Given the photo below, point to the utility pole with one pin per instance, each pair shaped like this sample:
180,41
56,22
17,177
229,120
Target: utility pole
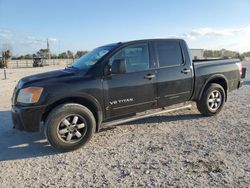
48,48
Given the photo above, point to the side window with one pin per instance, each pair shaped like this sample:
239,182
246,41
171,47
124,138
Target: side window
136,56
169,54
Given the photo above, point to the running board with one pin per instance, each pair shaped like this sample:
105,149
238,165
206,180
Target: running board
117,122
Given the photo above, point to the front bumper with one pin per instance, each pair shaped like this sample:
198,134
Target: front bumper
27,118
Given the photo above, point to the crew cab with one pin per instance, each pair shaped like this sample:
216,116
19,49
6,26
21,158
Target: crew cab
118,81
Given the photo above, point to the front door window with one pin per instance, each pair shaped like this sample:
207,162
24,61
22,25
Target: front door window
136,57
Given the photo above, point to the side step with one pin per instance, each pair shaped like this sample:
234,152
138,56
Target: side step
125,120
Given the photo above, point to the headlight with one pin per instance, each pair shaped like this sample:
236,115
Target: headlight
29,95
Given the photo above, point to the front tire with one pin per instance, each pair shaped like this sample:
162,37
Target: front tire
212,100
69,127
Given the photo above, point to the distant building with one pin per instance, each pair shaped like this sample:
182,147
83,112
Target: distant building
247,58
197,53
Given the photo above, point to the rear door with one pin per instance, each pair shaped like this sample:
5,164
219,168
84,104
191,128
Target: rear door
135,90
174,73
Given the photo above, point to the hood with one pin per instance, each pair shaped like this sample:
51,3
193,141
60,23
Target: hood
43,77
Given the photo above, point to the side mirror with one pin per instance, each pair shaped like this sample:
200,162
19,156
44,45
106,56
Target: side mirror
118,66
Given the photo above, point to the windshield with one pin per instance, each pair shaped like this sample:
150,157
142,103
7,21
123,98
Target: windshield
91,58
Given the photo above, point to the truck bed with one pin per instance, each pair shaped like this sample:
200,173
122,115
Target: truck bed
215,60
207,68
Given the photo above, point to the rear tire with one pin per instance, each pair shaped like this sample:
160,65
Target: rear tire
212,100
69,127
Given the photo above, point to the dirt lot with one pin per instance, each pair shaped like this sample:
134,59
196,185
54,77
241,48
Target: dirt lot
181,149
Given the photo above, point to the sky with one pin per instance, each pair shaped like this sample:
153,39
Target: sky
85,24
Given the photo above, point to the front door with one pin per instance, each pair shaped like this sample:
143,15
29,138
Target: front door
135,90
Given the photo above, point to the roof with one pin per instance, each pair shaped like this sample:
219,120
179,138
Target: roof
155,39
144,40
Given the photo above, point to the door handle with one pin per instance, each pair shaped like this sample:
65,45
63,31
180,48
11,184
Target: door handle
149,76
185,71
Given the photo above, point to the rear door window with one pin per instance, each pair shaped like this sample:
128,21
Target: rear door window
169,53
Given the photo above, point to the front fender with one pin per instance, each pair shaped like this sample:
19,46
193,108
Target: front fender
81,98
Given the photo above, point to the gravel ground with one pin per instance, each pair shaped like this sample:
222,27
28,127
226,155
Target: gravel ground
180,149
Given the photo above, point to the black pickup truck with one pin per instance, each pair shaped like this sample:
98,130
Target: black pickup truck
113,83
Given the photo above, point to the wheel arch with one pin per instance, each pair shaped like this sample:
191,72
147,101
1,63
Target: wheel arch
217,79
89,102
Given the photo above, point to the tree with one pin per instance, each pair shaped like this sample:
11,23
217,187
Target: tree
66,55
240,56
44,53
217,53
80,54
208,53
63,55
54,56
246,54
28,56
6,51
70,54
6,54
223,53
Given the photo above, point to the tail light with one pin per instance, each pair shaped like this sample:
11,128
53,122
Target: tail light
239,65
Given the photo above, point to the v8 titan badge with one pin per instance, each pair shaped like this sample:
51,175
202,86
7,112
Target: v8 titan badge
120,101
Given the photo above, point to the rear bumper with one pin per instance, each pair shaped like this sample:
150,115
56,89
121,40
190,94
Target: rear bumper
243,75
27,118
240,83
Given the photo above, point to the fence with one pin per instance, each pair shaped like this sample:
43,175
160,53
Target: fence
47,62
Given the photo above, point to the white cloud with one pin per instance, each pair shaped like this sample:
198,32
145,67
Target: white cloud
4,33
32,40
23,43
213,38
202,32
52,39
236,39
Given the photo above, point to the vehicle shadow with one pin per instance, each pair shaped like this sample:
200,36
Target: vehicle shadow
15,144
167,118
